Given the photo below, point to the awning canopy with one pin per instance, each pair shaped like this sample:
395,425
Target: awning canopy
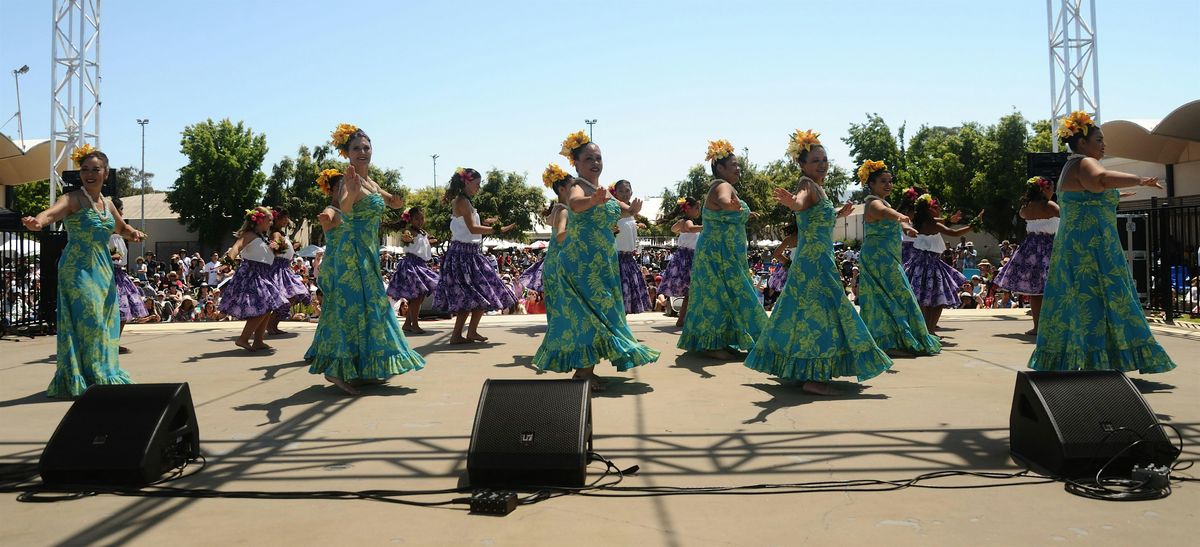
1174,139
26,161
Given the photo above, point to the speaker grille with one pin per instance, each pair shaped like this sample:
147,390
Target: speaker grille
1090,409
518,409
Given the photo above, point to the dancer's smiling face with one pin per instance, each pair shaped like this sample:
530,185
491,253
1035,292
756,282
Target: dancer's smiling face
93,171
881,183
588,162
816,165
359,151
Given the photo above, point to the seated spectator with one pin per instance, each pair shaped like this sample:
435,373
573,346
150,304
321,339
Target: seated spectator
152,312
185,311
1004,300
210,313
970,300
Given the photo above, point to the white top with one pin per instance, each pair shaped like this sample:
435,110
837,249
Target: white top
459,231
288,252
905,237
932,243
627,238
258,251
420,247
1042,225
117,242
687,240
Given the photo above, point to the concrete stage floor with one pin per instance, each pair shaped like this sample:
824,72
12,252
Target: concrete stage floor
267,424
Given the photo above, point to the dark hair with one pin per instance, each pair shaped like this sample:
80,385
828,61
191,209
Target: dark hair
677,213
458,185
279,211
1073,140
345,146
1033,192
625,182
116,201
578,150
922,214
95,154
722,161
802,157
906,205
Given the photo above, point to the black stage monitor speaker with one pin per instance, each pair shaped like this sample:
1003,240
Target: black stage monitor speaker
531,433
1070,424
122,436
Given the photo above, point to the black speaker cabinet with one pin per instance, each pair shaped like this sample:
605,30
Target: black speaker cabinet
531,433
122,436
1070,424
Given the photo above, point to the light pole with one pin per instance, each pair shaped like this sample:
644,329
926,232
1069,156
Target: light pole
143,123
435,157
17,81
590,123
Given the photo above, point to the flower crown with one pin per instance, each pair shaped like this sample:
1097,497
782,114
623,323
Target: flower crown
926,198
718,149
324,178
80,153
1077,122
407,215
1042,183
868,167
553,174
258,214
682,203
802,141
573,141
341,136
910,194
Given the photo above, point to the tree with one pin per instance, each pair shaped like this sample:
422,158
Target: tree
506,196
221,180
31,198
873,140
129,182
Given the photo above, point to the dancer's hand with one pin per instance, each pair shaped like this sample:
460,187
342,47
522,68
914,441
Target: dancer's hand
1151,182
755,214
600,196
787,198
846,209
956,217
490,221
1127,194
909,231
903,219
508,228
32,224
635,206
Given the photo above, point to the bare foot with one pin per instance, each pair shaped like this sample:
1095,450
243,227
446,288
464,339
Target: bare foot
413,330
368,382
1031,332
460,340
820,388
342,385
679,322
123,350
721,354
244,345
261,345
476,337
276,332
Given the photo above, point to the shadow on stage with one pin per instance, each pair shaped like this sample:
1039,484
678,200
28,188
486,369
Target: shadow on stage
790,394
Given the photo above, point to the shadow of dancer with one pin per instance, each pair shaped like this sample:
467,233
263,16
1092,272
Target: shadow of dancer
318,394
786,395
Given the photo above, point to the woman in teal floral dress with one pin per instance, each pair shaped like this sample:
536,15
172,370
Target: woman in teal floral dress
1091,318
582,283
89,319
724,314
358,339
885,298
815,334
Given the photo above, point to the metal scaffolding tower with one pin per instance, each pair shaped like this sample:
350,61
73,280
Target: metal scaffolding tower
74,80
1072,59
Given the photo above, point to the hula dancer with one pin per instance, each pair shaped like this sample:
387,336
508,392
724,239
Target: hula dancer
885,297
358,339
130,299
252,293
678,276
633,283
815,334
469,285
934,283
89,317
584,309
289,282
782,255
1091,319
725,316
413,279
1025,272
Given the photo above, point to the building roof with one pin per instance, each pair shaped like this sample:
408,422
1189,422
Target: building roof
156,207
1174,139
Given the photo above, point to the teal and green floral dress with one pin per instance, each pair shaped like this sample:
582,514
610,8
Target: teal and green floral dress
585,312
1091,318
723,308
358,337
885,298
815,333
89,318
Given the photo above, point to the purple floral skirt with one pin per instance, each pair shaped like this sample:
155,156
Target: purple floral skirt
469,282
633,284
129,296
1025,272
251,292
678,276
934,283
412,279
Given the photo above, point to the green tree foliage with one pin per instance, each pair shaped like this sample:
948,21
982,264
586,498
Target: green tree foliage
221,180
31,198
129,182
506,196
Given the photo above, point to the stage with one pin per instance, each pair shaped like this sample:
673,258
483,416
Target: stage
266,424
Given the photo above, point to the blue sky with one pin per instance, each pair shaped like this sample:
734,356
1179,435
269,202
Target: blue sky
500,84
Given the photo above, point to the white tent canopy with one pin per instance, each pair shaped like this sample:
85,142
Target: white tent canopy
26,161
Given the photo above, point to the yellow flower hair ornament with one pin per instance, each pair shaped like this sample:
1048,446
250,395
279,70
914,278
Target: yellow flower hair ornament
1077,122
324,178
553,174
573,141
802,141
718,149
80,153
868,167
258,214
341,137
1042,183
926,198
